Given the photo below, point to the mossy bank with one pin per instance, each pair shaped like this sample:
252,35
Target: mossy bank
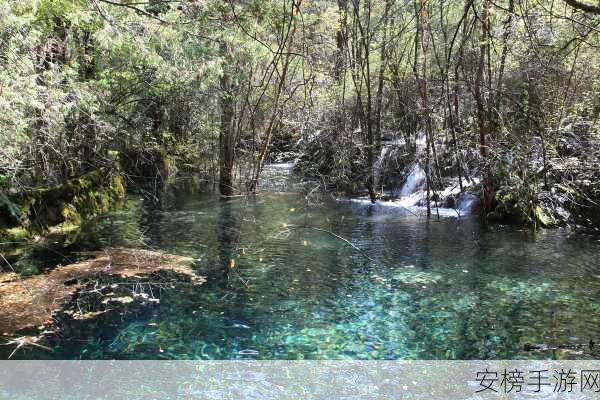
60,208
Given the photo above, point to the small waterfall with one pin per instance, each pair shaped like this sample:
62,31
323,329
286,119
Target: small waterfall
467,203
378,166
414,179
412,194
277,177
421,143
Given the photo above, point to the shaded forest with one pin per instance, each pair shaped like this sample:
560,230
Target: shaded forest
498,99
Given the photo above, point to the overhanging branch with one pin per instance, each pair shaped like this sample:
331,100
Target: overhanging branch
583,6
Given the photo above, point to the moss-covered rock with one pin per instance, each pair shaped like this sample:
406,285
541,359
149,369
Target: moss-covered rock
17,234
78,199
545,218
513,207
67,205
507,208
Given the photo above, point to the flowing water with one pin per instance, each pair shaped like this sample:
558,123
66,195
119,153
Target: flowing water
444,289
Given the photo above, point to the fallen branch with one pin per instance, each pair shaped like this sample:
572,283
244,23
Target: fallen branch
564,346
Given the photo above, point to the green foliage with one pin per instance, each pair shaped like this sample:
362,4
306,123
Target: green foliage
9,211
81,80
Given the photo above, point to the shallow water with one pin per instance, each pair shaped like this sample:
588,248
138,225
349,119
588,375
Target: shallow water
444,289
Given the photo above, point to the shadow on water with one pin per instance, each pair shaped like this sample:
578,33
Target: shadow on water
446,289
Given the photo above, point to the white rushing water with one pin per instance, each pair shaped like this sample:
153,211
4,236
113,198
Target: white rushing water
379,163
414,180
467,203
412,194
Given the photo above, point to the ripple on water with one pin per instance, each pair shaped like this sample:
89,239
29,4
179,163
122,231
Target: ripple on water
443,289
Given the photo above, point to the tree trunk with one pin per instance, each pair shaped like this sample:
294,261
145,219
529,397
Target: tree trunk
227,130
482,120
276,106
422,38
382,67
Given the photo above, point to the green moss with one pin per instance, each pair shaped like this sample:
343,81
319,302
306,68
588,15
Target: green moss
17,234
512,206
114,155
70,214
544,218
118,186
505,198
68,205
507,209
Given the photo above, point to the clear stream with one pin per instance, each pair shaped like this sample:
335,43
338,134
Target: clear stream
444,289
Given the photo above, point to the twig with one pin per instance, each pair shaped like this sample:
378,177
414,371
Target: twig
343,239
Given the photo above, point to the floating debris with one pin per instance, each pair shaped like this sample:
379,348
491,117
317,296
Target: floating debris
25,341
122,300
33,301
88,315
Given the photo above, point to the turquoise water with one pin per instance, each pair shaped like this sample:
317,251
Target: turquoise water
444,289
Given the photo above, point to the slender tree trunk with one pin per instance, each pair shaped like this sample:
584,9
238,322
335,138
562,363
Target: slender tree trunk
227,130
50,56
422,39
505,36
87,72
276,106
380,78
341,39
482,120
366,41
363,75
340,63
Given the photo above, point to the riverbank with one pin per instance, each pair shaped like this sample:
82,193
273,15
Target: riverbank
60,208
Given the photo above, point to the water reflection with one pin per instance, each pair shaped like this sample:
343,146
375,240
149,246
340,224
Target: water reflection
436,290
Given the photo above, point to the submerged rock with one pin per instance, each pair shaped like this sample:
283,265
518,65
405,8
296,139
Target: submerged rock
32,302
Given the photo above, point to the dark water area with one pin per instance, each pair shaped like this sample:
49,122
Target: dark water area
443,289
